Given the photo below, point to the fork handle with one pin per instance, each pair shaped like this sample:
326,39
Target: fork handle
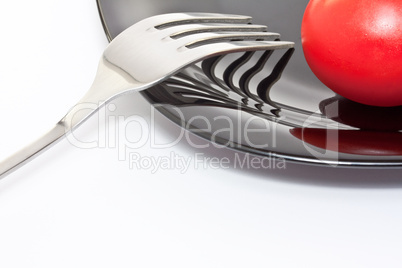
77,115
22,156
109,82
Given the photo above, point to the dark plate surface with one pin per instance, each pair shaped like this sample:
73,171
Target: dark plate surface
296,118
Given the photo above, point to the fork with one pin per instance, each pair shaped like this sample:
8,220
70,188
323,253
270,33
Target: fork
148,53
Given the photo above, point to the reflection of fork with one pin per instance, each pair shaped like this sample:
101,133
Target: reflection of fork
201,86
149,52
237,82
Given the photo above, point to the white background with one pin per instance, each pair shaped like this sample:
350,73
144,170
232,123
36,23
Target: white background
74,207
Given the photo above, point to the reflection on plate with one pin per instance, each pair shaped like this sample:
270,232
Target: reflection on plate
347,141
296,117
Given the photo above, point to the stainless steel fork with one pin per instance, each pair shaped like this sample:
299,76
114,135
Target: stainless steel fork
149,52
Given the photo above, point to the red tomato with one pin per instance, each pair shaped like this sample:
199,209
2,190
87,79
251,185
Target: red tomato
355,48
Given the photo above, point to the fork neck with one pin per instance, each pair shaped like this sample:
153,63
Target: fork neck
109,83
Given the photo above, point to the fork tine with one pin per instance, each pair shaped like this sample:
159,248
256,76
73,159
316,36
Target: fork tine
174,19
220,48
181,31
208,38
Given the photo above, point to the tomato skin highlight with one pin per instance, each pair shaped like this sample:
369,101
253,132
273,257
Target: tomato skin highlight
354,47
